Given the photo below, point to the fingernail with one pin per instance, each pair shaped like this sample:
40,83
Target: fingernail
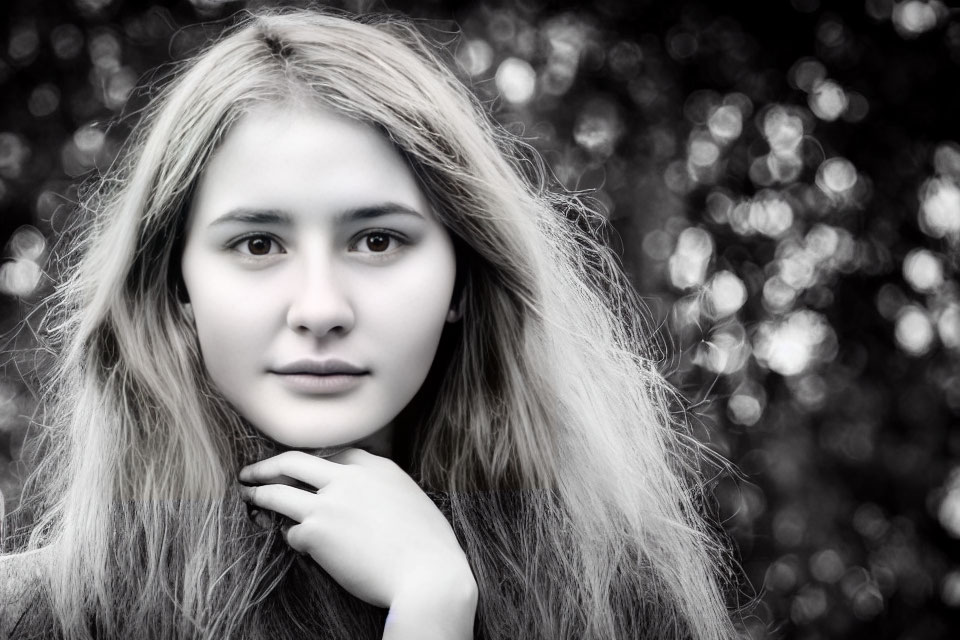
258,517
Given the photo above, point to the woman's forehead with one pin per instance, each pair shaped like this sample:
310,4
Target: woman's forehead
278,157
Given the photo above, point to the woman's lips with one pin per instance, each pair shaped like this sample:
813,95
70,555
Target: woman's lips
311,383
330,366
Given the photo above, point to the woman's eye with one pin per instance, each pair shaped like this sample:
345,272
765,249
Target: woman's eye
378,242
257,246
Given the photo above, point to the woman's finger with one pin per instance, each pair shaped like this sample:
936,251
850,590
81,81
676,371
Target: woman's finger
293,482
296,465
296,538
294,503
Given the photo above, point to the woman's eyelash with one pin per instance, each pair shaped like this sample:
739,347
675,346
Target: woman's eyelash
391,236
237,243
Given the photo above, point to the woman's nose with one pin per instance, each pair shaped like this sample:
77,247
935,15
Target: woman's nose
320,303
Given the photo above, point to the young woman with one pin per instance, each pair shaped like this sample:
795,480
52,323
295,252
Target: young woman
330,364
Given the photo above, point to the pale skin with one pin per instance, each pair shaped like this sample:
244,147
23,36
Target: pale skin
316,230
371,527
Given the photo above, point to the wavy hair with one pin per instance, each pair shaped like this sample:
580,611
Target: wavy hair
543,431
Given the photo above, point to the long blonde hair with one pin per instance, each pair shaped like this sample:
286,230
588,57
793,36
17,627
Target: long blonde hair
544,431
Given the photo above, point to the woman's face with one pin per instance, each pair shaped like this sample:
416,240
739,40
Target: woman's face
319,279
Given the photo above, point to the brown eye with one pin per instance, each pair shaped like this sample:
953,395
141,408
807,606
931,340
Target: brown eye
378,242
259,246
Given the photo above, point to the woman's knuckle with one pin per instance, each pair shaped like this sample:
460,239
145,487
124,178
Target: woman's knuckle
284,458
298,456
295,538
313,526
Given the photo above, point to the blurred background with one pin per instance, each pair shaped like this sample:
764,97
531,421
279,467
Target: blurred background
784,182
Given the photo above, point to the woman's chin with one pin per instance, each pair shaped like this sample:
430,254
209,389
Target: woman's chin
379,442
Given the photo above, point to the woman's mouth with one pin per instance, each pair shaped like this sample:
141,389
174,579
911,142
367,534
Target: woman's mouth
329,366
311,383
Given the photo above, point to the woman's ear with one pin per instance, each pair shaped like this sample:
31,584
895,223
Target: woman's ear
183,300
459,296
456,309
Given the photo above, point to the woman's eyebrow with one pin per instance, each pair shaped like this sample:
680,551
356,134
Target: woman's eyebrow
376,211
280,217
253,216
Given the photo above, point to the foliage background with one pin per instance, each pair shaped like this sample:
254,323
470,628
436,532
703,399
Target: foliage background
784,181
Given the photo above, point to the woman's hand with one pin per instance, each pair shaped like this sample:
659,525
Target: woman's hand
370,526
